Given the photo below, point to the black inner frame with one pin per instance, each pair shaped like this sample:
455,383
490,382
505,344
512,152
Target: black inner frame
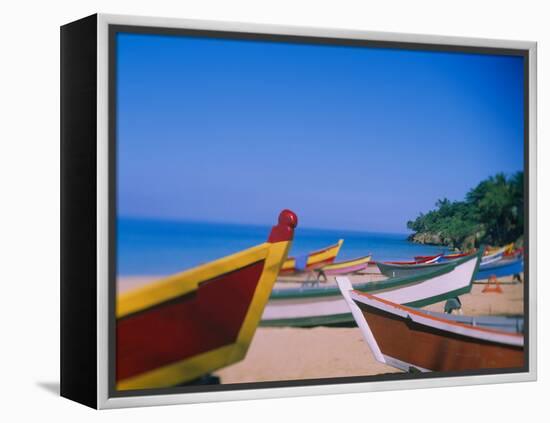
278,38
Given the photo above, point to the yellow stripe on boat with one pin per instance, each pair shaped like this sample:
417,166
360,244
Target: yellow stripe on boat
344,264
507,248
187,281
316,256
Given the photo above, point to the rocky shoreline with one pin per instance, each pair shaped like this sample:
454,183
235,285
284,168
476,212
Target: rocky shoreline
426,238
429,238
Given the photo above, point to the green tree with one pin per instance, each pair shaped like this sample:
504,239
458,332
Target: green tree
492,213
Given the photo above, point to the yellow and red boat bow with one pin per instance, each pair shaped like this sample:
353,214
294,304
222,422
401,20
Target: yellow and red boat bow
184,326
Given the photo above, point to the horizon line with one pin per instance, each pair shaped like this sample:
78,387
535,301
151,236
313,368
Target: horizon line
180,220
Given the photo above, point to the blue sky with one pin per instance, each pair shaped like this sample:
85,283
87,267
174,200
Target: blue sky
347,137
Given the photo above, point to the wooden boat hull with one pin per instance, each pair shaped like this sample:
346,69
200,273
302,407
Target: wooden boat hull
306,307
495,256
315,259
346,267
492,250
512,253
427,260
400,270
411,339
184,326
445,257
500,269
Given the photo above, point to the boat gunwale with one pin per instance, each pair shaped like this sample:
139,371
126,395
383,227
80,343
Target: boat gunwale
406,312
500,263
351,262
292,293
320,251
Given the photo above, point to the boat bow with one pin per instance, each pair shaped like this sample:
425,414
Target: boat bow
189,324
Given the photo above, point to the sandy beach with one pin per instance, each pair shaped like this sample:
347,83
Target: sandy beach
298,353
323,352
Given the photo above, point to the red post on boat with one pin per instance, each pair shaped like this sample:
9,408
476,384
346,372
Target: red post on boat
284,230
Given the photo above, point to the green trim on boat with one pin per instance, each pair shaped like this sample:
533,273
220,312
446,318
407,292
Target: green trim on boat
479,257
310,321
404,270
451,294
290,293
336,319
441,297
347,318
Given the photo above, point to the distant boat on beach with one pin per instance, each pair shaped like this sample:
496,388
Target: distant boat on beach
306,307
494,264
442,256
415,340
500,268
495,255
346,267
426,260
184,326
398,270
490,255
312,260
506,248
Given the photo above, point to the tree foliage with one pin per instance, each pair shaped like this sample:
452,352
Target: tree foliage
492,213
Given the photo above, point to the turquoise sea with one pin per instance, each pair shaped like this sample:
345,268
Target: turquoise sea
160,247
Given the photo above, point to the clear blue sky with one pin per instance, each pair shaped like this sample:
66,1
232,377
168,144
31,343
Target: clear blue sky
347,137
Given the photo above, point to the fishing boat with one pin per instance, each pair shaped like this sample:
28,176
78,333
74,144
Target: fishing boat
345,267
401,270
494,256
514,252
398,270
312,260
182,327
507,248
500,268
433,259
443,256
415,340
321,306
490,256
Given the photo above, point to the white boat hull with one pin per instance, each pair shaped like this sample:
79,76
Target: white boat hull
324,307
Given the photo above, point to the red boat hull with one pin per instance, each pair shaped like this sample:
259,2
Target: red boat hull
190,325
178,328
432,349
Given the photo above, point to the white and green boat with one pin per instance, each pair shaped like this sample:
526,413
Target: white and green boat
397,270
321,306
392,270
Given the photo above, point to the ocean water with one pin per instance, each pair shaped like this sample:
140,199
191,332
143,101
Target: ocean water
158,247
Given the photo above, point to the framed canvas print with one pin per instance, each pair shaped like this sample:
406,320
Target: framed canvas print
254,211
